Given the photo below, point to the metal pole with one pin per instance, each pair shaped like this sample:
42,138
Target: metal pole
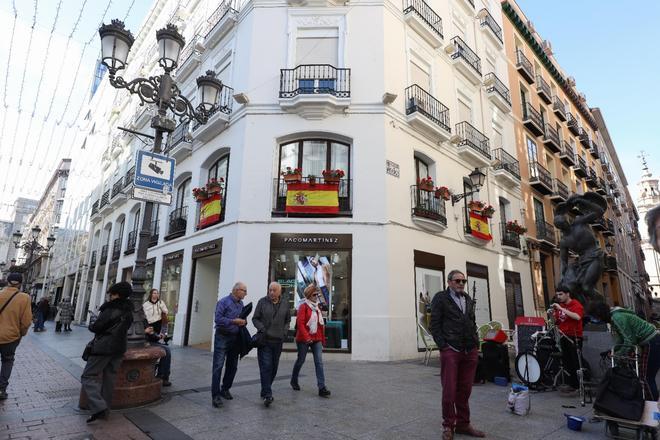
45,286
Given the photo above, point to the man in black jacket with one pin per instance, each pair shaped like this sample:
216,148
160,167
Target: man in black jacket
271,318
455,332
108,347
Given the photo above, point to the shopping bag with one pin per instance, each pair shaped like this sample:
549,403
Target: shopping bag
519,401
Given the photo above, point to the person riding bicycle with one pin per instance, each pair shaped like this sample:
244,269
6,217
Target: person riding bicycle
568,314
629,330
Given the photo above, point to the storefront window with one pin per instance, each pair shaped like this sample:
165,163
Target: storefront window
329,269
170,286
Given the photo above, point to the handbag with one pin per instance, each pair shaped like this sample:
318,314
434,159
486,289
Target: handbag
620,394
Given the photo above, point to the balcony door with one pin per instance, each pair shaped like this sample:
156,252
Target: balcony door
539,214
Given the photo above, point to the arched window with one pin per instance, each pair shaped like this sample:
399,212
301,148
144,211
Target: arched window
315,155
181,194
220,169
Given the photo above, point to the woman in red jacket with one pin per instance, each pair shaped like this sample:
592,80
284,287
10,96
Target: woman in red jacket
310,334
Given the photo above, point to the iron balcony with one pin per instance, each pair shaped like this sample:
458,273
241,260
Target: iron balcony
130,242
509,238
551,139
524,67
572,124
559,108
540,178
532,119
178,221
424,204
345,199
543,89
315,79
580,169
546,232
560,193
567,155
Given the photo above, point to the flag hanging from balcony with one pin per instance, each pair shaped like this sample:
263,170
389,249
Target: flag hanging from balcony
209,212
479,226
312,199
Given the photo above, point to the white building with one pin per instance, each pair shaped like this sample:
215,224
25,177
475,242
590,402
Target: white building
648,198
388,95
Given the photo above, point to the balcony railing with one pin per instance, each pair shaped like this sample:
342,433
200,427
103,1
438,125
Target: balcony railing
489,22
178,221
559,108
217,15
509,238
567,155
524,66
130,242
546,232
584,138
153,237
95,208
594,150
581,169
315,79
572,124
92,261
189,50
473,138
425,13
180,134
505,161
561,190
117,187
610,264
130,176
419,100
543,89
532,119
551,138
462,50
497,86
105,199
425,205
538,174
344,193
116,249
225,104
104,254
592,178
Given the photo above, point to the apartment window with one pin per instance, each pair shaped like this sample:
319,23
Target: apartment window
550,164
420,75
314,156
181,194
532,150
558,128
136,220
497,140
464,111
539,213
524,97
219,169
544,118
505,210
421,169
317,46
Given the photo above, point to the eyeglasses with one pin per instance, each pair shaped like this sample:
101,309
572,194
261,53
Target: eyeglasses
460,281
244,290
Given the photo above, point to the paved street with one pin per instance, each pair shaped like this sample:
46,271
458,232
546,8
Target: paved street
369,401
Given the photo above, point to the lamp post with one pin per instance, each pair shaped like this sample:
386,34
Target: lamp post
474,181
116,42
30,247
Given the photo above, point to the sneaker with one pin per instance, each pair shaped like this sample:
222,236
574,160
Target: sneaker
324,392
268,401
225,394
3,395
166,383
295,386
99,415
217,402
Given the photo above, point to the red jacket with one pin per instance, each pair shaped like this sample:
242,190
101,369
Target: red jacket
302,331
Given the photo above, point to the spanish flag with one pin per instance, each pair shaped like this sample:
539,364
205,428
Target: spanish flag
312,199
479,226
209,212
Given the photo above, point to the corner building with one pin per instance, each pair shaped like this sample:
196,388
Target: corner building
390,93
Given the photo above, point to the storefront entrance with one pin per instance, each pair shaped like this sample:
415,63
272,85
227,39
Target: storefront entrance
429,280
170,286
203,294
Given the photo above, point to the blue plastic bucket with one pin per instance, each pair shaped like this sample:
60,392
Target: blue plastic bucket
574,423
501,381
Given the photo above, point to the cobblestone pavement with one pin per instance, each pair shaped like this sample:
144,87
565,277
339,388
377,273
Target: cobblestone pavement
393,400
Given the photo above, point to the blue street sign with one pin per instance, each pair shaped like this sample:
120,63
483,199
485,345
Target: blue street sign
154,172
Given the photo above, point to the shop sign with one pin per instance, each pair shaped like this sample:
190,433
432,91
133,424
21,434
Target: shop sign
208,248
311,241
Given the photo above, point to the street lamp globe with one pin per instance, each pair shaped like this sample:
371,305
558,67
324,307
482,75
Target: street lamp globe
35,232
116,42
477,178
50,240
209,88
17,238
170,44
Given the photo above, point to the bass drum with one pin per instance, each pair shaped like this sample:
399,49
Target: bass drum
528,368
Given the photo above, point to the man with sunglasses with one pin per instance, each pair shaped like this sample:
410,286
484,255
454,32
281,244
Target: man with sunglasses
455,332
568,314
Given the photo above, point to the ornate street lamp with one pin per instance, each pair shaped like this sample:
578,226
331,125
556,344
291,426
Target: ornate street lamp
472,184
30,247
161,90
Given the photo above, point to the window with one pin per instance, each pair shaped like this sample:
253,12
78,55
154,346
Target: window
539,213
420,76
136,220
220,169
421,169
524,98
464,111
317,46
314,156
497,140
181,194
505,210
544,118
531,151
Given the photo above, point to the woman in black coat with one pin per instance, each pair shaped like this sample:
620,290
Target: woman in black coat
107,349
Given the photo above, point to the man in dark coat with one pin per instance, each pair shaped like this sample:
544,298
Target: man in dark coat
43,309
455,332
108,348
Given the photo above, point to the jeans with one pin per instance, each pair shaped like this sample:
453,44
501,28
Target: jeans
653,365
457,376
39,325
570,359
164,362
7,359
269,359
225,349
317,349
99,389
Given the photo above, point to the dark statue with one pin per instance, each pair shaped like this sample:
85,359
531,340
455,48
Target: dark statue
582,274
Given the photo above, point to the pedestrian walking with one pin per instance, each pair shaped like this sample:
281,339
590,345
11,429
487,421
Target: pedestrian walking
455,332
155,312
164,363
310,335
65,310
271,319
225,344
15,320
43,309
107,349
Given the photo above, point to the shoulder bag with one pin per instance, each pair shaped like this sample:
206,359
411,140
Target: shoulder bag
7,303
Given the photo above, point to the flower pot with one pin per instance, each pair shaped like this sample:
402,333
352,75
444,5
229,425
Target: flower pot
201,197
312,180
425,186
292,178
329,179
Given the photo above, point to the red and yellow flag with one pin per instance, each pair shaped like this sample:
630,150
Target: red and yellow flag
479,226
308,198
209,212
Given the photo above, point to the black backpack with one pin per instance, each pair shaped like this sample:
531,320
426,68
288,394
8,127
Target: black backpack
620,394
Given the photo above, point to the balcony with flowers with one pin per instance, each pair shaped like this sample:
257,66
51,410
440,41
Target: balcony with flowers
328,195
428,205
511,232
211,203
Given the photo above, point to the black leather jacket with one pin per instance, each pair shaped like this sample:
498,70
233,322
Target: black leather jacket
449,325
110,328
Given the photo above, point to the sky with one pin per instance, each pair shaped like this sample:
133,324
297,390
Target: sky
610,48
47,57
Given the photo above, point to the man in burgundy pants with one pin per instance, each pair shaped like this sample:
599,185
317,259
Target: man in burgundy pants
454,330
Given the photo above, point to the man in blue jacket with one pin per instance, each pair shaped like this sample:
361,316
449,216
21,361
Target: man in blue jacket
225,347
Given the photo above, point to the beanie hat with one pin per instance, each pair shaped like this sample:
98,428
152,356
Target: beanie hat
15,277
123,289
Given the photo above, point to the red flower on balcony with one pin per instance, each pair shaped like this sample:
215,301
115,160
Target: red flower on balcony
515,227
425,184
442,192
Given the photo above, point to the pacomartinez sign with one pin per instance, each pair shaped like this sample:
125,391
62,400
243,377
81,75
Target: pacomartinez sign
311,241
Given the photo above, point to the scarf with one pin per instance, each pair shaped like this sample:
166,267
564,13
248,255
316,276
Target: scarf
315,318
